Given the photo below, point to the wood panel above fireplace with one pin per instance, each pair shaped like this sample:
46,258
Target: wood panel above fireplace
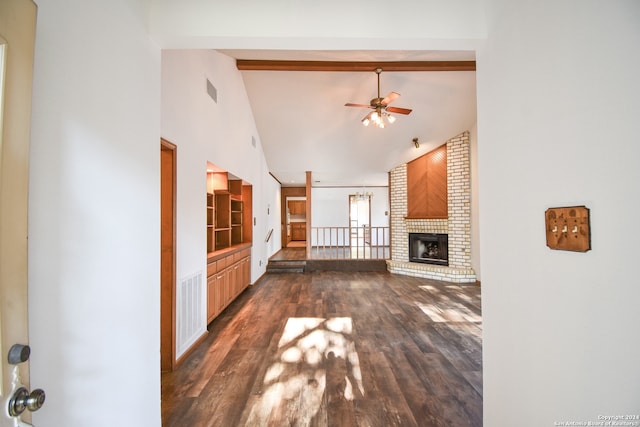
427,185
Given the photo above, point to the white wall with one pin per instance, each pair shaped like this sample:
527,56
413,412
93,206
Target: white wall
330,208
558,109
222,133
271,199
94,216
282,24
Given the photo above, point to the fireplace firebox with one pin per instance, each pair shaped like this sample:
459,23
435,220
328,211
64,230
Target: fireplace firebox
429,248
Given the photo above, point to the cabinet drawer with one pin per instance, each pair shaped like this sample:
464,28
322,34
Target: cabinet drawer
212,268
238,256
230,260
222,264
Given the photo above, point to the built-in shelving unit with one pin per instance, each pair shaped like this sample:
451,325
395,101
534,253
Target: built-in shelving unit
229,236
227,201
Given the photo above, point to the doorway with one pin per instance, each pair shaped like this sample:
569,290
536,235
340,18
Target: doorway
296,221
359,224
167,255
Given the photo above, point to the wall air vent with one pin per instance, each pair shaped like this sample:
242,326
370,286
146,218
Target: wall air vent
212,91
253,141
190,303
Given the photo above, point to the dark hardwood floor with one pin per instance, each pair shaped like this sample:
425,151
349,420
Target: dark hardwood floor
336,349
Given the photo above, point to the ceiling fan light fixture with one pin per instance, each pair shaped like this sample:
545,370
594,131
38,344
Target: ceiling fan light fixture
379,116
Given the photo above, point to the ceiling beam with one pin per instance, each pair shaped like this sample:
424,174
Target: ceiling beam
369,66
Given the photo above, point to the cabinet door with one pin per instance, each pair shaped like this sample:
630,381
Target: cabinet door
302,208
235,279
246,272
298,231
228,285
212,303
221,287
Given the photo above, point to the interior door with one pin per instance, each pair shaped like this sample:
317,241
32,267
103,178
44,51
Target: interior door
17,38
167,255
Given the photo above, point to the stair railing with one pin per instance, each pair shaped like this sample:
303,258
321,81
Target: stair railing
367,242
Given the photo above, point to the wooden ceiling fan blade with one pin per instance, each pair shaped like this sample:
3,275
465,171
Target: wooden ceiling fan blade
398,110
390,98
349,104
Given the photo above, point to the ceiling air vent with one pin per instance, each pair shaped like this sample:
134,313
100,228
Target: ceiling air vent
212,91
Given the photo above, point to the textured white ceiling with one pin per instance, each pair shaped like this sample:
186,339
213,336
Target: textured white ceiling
304,126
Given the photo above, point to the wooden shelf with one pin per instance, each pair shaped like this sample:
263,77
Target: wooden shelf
236,234
228,211
235,187
222,209
223,238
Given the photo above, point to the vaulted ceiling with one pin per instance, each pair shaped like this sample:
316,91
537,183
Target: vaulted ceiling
303,124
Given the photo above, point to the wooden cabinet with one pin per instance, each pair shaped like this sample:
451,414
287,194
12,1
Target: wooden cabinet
427,185
298,231
297,207
228,274
229,236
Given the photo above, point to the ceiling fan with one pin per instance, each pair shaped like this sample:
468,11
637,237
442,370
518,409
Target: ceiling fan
380,107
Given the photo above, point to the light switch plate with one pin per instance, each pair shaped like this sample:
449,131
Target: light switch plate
568,228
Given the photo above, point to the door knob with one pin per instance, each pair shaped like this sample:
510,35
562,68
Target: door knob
23,400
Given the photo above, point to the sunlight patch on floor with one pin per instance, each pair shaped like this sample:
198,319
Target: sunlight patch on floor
316,357
446,309
457,313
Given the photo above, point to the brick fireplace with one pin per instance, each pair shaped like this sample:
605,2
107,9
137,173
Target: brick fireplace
457,226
